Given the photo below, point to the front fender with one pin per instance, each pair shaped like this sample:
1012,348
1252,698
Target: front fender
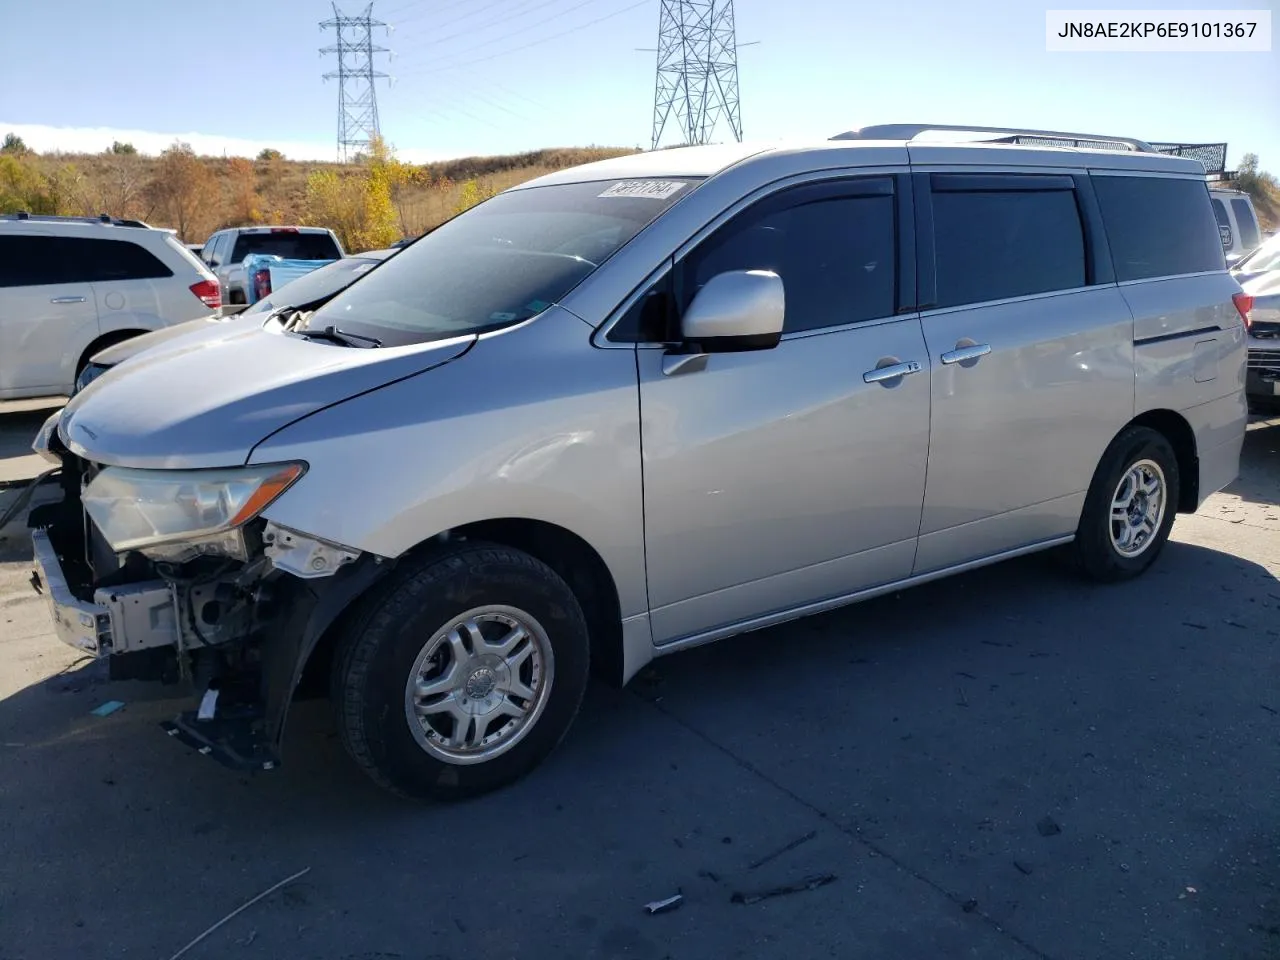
310,608
533,423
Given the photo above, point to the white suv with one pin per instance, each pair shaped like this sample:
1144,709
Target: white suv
71,286
1237,222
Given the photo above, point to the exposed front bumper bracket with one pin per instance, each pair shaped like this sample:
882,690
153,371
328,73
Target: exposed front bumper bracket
85,626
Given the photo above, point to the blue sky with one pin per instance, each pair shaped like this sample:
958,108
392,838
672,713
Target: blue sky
498,76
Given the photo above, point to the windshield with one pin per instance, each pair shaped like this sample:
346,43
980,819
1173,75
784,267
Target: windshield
317,284
1266,257
500,263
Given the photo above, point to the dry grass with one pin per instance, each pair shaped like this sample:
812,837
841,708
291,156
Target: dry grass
122,185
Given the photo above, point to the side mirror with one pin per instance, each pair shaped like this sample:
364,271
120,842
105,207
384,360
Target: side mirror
735,311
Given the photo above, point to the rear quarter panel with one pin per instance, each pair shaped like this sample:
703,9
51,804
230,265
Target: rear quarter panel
1189,357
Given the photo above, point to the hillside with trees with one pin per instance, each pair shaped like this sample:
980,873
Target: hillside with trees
370,203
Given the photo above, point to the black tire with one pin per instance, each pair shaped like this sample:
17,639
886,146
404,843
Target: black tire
382,644
1093,551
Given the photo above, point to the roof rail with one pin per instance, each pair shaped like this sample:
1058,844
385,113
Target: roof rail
909,131
104,218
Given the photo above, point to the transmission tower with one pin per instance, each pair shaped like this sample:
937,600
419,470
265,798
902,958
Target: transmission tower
697,70
357,98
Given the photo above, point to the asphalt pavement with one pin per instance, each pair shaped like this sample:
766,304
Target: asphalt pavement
1007,764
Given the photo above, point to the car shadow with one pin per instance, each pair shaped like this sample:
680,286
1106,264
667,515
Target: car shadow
933,725
1259,462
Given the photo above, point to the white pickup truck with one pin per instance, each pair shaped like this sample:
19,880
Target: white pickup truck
226,250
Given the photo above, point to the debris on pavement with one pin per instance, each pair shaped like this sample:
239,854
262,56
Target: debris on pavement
241,909
108,708
1047,827
1198,626
781,850
1022,867
665,906
809,883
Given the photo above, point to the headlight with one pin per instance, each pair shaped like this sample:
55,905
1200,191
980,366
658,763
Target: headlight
91,372
144,509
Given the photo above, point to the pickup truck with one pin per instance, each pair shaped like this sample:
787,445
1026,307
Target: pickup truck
226,251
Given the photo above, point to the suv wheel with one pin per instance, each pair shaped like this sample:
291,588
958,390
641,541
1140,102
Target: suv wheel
463,673
1130,507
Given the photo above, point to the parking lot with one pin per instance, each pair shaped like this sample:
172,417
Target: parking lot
1008,763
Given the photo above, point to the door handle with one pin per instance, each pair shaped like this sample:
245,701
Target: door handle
891,372
67,300
961,354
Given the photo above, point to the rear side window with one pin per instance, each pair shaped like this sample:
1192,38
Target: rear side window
991,244
1250,236
1224,221
37,261
1159,226
836,258
290,246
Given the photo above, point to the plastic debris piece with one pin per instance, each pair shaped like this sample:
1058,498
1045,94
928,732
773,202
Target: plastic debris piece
108,708
665,906
809,883
208,705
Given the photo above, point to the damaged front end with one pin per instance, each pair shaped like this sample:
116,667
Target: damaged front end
175,576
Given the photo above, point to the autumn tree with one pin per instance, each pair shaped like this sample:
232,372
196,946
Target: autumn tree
123,149
13,144
22,187
356,205
182,190
268,153
119,187
243,182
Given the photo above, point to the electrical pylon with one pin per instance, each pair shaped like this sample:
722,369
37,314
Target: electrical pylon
697,79
357,96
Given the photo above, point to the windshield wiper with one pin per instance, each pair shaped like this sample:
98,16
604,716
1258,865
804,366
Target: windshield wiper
334,335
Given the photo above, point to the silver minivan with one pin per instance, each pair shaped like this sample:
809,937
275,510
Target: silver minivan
637,406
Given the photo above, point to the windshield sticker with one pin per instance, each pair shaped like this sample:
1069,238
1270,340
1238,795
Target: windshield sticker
502,316
649,189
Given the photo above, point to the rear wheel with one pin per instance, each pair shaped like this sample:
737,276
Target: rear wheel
462,674
1130,507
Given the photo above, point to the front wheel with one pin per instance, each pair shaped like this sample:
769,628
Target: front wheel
1130,507
463,674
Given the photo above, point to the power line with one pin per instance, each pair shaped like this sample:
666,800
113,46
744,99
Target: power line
697,73
514,33
532,43
357,96
506,15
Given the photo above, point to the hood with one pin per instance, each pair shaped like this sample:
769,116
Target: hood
1261,284
206,398
135,345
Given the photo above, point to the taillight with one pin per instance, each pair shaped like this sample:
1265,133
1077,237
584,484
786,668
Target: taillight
209,293
1244,303
261,283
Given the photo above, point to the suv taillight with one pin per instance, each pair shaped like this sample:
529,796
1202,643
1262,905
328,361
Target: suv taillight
209,293
261,283
1244,303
